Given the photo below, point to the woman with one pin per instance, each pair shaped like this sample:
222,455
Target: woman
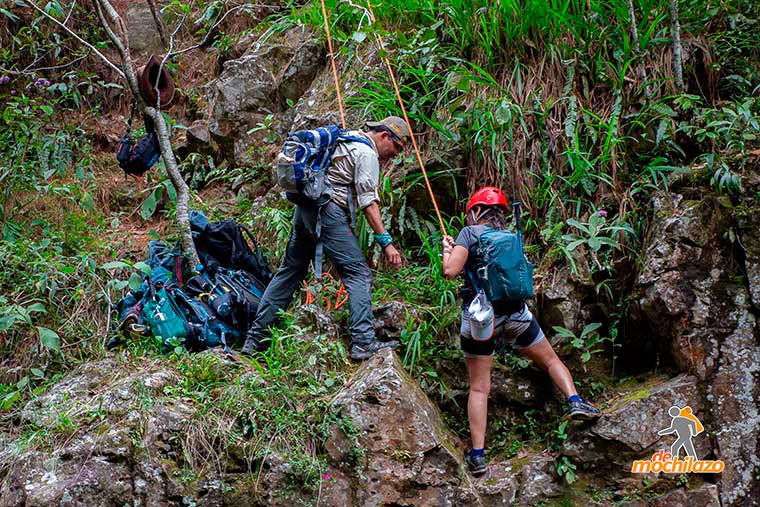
488,208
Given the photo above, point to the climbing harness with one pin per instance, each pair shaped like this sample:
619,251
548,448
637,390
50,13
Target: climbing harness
341,294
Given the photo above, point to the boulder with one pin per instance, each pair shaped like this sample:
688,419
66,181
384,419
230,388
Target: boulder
407,455
628,430
253,91
692,294
748,226
734,398
141,29
391,318
524,481
561,293
318,105
685,290
704,496
198,137
279,486
111,443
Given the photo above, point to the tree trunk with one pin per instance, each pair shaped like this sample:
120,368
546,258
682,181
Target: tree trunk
104,8
675,29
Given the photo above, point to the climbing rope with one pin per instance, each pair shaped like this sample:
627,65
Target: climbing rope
334,69
406,119
398,96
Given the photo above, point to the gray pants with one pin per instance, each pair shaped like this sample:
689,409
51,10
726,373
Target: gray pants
342,248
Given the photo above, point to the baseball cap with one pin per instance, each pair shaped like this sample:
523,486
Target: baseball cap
394,124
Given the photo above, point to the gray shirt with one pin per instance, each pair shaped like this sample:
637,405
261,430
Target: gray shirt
356,165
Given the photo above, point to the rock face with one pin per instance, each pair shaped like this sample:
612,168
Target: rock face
109,464
628,430
141,27
705,495
748,224
253,91
691,292
561,295
410,458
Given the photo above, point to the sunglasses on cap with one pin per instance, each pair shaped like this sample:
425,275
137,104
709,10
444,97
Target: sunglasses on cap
394,138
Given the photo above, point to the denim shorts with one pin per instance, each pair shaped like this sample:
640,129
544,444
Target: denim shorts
520,330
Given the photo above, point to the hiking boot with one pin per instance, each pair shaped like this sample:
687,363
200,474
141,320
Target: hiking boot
476,464
359,352
253,345
582,411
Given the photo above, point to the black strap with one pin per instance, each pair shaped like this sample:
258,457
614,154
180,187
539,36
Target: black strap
351,207
132,110
319,250
259,255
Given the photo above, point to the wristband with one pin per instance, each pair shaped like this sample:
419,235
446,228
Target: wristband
383,239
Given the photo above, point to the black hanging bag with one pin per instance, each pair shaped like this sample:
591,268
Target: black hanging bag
137,158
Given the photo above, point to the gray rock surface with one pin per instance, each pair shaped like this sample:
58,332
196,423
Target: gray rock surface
253,92
628,430
691,291
141,29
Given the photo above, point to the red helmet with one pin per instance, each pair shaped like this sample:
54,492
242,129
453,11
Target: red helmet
488,196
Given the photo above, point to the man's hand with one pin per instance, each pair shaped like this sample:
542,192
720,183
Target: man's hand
392,256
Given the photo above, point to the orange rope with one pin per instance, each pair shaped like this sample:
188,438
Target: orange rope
406,118
334,69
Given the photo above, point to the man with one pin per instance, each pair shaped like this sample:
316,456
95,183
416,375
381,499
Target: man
354,174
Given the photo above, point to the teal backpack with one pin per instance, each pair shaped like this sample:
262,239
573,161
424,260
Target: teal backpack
506,275
162,314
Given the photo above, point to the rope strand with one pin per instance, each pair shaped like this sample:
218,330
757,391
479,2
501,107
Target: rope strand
408,124
334,69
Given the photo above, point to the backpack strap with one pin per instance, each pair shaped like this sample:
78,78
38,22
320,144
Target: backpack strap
132,110
259,255
354,139
319,249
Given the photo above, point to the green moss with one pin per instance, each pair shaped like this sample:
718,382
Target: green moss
518,463
637,395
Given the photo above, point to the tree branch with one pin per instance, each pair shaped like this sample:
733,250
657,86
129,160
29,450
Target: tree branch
211,29
159,23
104,8
73,34
637,48
675,28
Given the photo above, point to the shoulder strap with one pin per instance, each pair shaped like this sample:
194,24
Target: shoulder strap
259,255
356,139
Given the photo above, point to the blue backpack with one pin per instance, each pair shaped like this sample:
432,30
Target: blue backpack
303,162
505,275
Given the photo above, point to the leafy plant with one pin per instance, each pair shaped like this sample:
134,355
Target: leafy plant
586,343
595,234
566,468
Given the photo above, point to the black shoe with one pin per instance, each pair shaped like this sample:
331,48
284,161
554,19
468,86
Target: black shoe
582,411
252,345
477,464
360,352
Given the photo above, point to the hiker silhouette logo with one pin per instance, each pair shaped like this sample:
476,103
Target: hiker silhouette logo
685,425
